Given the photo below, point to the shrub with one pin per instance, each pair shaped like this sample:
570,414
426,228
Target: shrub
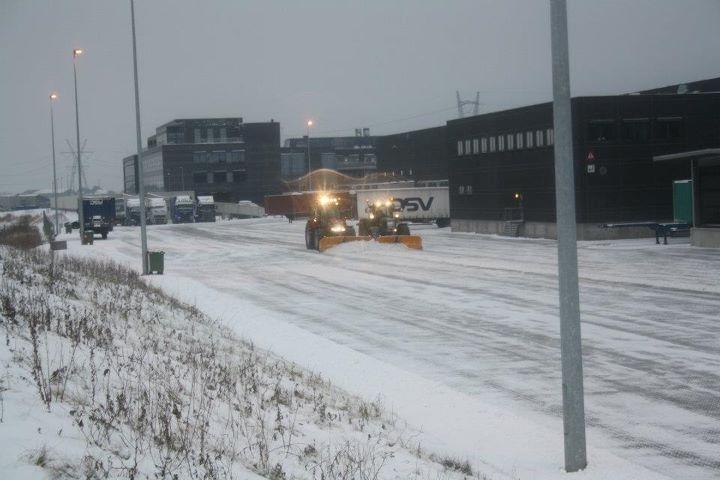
21,234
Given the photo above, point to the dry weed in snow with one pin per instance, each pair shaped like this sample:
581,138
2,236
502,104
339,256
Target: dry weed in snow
152,388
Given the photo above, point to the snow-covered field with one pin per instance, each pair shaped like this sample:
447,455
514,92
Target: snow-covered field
461,339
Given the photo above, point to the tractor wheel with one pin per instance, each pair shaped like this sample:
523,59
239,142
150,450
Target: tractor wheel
403,229
349,231
363,229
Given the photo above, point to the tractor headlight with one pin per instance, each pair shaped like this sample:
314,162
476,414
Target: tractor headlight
337,228
397,215
372,216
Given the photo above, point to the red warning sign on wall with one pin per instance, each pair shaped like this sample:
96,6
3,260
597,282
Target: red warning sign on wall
590,156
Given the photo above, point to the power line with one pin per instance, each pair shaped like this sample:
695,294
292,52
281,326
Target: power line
377,124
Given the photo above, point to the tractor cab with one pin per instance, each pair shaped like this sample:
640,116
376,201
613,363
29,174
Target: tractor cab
328,219
383,218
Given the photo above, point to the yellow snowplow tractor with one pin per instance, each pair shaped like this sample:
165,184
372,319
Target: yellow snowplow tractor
384,224
327,225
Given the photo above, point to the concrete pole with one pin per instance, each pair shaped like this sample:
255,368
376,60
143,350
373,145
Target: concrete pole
53,97
308,154
570,338
81,216
141,175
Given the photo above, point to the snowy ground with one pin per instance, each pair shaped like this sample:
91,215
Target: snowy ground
462,338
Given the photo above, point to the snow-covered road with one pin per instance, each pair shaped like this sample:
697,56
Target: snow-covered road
478,314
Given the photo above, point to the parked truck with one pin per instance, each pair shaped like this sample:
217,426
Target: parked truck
132,211
205,209
295,205
98,214
413,204
156,210
120,214
182,209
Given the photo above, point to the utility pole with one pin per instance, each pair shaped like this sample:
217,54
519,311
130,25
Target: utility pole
53,97
309,124
81,217
570,337
141,176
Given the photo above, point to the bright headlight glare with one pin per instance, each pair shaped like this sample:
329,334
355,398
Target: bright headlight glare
338,228
372,215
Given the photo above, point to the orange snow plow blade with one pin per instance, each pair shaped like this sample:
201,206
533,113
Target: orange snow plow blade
329,242
410,241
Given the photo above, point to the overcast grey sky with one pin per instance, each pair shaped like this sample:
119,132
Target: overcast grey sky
390,65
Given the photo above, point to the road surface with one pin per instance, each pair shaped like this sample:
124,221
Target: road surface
479,314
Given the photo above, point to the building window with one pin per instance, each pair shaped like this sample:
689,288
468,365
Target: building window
476,146
210,177
212,157
410,172
539,139
461,190
223,134
669,128
220,176
600,131
199,157
221,156
529,139
492,144
468,189
519,140
200,177
467,147
239,176
237,156
549,137
511,141
501,143
636,130
483,145
197,135
460,147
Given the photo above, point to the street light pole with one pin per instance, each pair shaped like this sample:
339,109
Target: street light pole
570,337
53,97
81,217
182,178
141,176
309,124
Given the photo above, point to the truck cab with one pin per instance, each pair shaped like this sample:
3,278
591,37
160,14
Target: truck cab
98,214
156,210
205,209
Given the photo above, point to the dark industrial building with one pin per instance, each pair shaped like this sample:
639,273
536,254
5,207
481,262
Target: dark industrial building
223,157
416,155
502,163
353,156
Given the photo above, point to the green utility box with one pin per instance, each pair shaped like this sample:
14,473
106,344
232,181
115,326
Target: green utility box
683,201
156,262
87,237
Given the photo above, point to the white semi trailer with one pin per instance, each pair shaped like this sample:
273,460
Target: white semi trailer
415,204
